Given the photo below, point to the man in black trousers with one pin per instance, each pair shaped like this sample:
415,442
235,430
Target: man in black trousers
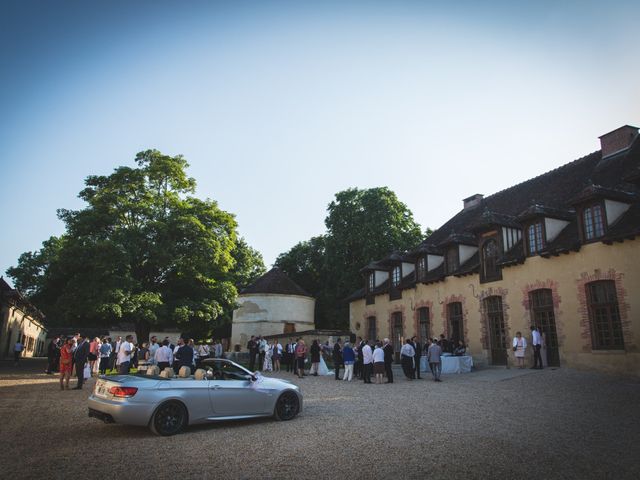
252,346
388,359
53,354
418,348
79,359
358,368
337,357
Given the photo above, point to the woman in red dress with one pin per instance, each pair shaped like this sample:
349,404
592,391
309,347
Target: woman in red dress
66,364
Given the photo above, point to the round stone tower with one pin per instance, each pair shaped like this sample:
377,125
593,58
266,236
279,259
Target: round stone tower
271,305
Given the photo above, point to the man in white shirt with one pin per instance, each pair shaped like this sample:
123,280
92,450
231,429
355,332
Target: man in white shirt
536,341
164,356
153,348
17,351
124,355
218,349
407,354
367,362
203,351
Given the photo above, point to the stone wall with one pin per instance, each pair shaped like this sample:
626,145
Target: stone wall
565,275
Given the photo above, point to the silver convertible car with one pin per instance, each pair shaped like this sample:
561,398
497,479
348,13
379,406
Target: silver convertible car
220,390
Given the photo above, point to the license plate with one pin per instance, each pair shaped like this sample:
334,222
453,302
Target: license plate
101,389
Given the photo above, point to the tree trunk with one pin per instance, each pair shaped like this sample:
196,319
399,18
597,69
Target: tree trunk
143,329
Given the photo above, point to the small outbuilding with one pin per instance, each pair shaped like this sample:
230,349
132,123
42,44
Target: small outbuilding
273,304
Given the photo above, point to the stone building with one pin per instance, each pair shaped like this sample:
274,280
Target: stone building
20,320
273,304
559,251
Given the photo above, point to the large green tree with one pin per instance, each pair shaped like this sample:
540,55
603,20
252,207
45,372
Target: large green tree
144,250
362,225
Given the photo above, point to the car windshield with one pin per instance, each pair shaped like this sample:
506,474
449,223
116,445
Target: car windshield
225,370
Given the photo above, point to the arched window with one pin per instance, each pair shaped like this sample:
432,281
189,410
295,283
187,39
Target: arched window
455,316
606,327
423,324
490,254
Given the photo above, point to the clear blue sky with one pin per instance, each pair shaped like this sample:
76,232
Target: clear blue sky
279,105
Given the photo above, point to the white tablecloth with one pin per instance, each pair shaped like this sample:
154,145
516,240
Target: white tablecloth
450,364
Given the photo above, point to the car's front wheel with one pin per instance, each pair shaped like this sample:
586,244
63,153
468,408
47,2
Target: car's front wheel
169,418
287,406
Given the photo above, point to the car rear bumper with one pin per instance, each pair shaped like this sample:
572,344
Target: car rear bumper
120,411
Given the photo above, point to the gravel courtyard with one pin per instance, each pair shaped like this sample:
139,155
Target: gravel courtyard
491,423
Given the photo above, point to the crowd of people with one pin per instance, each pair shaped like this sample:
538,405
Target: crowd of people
88,357
371,360
363,360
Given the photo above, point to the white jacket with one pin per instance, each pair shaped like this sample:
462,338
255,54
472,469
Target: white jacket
524,342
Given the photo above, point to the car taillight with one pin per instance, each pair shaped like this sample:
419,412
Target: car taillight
123,392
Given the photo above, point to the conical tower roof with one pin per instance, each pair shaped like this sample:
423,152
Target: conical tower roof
275,281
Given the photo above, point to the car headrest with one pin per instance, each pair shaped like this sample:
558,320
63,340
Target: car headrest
167,373
184,372
153,370
200,374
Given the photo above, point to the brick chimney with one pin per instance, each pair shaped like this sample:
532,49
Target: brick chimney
472,201
618,140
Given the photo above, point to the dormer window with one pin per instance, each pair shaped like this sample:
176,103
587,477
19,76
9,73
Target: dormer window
396,276
535,238
421,269
593,221
371,282
490,270
453,259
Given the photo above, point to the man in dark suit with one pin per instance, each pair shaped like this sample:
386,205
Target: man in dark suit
418,348
184,355
252,346
337,358
388,359
359,367
54,346
79,359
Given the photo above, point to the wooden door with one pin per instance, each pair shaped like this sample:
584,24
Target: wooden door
497,335
544,318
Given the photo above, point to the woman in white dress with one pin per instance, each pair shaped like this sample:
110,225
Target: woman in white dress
519,347
322,367
266,367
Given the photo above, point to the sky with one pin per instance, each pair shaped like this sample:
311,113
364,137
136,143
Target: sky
278,105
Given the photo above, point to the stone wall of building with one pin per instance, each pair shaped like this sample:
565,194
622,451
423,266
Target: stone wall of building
565,276
270,314
18,324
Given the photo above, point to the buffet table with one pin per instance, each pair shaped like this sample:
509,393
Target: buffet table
450,364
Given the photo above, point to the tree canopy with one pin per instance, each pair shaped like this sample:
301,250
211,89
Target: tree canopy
144,250
362,225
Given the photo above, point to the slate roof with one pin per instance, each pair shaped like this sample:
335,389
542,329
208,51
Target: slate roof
554,194
275,281
13,294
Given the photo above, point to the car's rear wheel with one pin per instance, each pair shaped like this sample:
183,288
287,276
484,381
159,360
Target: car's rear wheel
169,418
287,406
